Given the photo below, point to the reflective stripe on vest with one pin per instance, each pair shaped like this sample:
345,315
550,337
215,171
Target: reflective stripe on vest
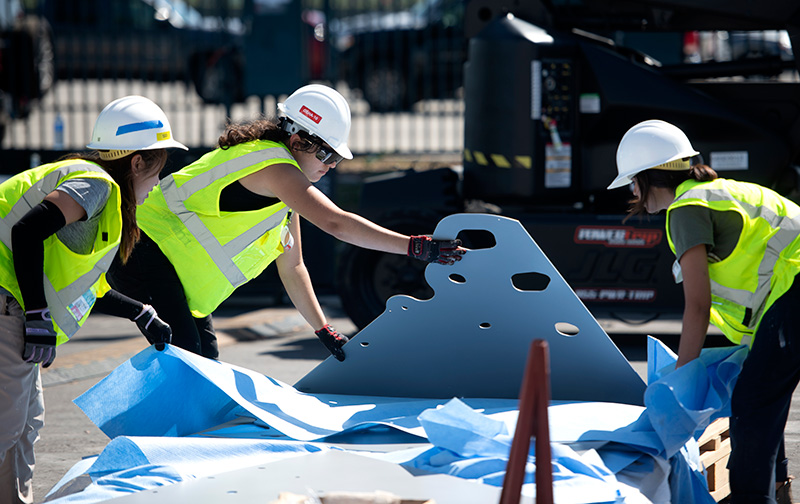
33,196
73,294
783,234
222,255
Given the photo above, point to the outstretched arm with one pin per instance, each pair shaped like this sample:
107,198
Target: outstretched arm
289,185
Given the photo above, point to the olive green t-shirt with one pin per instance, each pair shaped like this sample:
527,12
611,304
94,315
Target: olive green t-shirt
693,225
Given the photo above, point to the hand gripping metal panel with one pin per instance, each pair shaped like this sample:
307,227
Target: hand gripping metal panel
472,337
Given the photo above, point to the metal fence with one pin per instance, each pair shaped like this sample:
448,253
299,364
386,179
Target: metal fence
400,64
400,67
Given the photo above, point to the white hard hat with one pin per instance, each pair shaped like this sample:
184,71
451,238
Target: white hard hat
651,144
130,124
321,111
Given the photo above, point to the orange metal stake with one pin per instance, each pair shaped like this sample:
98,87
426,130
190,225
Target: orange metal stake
534,398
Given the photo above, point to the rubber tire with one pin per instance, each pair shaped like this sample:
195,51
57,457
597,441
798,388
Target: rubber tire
367,278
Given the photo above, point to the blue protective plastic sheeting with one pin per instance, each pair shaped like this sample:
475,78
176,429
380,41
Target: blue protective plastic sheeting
602,452
127,481
458,428
135,400
687,479
196,456
469,445
681,403
133,464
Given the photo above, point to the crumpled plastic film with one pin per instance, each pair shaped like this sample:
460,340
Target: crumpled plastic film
469,445
178,393
682,402
602,452
132,464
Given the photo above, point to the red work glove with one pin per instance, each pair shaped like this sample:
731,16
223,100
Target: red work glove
427,249
333,341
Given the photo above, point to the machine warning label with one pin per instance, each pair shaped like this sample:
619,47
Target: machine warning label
616,295
618,236
730,160
557,165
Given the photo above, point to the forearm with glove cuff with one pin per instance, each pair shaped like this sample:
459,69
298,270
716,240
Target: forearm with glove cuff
156,331
27,242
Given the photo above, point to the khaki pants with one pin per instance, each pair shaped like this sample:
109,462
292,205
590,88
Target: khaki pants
21,408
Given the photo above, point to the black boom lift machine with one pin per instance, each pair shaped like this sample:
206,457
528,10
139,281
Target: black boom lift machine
548,96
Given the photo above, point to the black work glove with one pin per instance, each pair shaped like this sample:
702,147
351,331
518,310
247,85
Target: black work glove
333,340
156,331
40,338
427,249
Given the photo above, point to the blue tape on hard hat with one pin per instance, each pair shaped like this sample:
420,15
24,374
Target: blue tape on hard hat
145,125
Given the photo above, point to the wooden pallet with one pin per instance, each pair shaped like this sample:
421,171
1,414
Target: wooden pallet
715,450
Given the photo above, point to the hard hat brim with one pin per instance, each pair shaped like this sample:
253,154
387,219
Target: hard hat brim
164,144
620,181
344,151
168,144
623,180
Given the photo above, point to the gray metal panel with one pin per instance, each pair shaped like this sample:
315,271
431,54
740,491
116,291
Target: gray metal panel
331,471
472,338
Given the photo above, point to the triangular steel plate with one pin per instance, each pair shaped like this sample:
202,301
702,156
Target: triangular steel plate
471,339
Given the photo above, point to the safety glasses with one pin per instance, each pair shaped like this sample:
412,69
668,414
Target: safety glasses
327,155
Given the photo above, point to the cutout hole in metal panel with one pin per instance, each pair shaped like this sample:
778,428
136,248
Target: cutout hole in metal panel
456,278
530,281
476,239
485,325
567,329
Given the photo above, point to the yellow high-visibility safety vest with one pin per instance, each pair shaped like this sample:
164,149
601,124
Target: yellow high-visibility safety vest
214,252
765,261
72,281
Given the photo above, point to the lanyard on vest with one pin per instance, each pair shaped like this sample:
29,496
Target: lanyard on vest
222,255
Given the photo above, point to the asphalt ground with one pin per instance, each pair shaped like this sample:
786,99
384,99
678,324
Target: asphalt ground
274,341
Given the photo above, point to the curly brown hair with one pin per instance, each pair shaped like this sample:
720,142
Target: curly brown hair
664,178
120,171
264,129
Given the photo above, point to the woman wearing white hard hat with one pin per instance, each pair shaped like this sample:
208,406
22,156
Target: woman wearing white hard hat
62,223
219,222
737,246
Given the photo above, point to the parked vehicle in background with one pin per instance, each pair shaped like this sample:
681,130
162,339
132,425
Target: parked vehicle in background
154,40
761,44
399,58
26,61
228,49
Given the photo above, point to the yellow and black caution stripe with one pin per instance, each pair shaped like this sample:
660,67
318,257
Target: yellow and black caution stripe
498,160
